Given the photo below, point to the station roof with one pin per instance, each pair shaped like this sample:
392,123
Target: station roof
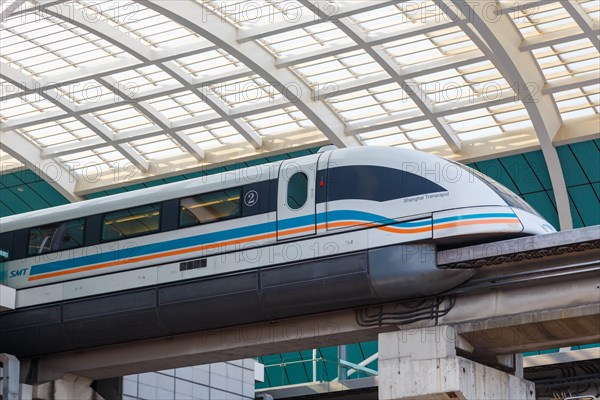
98,94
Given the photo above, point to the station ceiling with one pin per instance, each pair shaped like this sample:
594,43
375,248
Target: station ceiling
100,94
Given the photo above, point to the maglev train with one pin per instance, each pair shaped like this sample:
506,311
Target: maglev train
337,229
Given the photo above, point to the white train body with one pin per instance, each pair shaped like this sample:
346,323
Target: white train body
363,210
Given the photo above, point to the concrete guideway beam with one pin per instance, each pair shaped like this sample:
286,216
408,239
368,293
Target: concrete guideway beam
502,321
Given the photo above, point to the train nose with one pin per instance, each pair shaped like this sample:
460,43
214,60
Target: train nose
409,271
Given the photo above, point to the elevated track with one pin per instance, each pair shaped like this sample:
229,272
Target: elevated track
528,294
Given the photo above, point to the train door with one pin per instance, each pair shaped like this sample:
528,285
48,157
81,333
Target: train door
296,210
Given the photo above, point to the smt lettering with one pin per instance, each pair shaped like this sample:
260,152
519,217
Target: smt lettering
18,272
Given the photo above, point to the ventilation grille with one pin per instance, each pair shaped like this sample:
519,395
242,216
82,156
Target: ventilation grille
192,264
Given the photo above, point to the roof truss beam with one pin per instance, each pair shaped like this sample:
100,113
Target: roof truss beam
412,88
176,126
194,16
521,71
216,104
142,52
439,111
155,116
590,28
21,80
349,8
523,6
408,72
10,9
572,82
553,38
107,104
123,63
59,177
423,29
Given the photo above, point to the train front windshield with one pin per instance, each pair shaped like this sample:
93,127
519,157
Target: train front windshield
505,194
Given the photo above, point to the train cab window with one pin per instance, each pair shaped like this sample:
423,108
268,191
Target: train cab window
131,222
210,207
56,237
297,191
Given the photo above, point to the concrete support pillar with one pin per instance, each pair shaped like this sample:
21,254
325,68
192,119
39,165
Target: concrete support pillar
9,368
422,364
69,388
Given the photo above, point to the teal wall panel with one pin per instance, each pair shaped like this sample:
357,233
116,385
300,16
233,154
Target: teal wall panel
572,170
585,201
521,173
495,170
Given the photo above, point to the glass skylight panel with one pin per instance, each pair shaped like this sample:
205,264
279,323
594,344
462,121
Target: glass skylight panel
86,163
591,7
337,70
480,134
251,90
509,115
57,132
314,38
467,84
422,134
87,93
400,17
467,122
41,44
592,93
435,45
572,104
123,119
567,59
214,136
278,121
25,106
384,137
249,14
210,63
144,79
154,144
180,106
148,26
429,143
542,18
373,104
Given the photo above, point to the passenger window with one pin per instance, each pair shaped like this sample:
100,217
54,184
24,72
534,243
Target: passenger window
297,192
209,207
56,237
6,241
131,222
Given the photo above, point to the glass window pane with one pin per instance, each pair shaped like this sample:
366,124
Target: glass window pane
209,207
6,241
297,190
56,237
131,222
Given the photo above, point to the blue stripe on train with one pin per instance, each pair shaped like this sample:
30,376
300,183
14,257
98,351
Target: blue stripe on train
236,233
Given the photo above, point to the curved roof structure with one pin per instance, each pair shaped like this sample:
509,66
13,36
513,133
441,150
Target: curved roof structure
96,94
